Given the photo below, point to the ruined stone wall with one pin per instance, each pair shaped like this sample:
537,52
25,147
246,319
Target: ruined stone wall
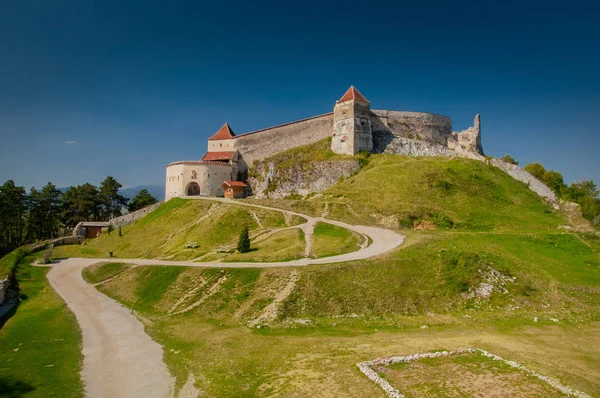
261,144
427,127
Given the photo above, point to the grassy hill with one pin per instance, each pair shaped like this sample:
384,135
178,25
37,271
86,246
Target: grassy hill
397,190
167,232
497,273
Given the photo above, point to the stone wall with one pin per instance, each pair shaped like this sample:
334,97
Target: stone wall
65,240
269,180
427,127
4,283
261,144
131,217
469,140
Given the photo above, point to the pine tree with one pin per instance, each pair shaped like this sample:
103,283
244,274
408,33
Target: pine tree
244,241
141,200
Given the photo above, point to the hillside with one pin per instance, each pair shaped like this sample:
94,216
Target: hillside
484,264
399,191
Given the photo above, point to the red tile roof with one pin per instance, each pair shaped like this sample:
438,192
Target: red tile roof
234,184
224,133
353,94
218,156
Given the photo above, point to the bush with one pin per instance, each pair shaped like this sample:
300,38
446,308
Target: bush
9,262
120,232
243,245
509,159
110,228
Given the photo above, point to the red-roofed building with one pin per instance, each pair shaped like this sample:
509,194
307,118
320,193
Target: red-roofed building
234,189
352,127
219,157
353,94
224,133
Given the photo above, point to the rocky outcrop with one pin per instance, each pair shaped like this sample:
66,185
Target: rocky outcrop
468,140
268,180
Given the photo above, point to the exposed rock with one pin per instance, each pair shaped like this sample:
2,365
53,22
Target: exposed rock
268,179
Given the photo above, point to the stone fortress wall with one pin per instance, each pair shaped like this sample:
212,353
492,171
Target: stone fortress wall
353,127
261,144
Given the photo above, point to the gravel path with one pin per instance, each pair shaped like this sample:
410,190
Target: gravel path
120,359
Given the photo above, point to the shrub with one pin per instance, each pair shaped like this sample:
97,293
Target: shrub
120,232
509,159
243,245
110,228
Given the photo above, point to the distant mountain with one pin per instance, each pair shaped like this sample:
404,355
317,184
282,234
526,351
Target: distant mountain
158,191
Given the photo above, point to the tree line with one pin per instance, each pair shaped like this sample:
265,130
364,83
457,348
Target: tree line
48,213
585,193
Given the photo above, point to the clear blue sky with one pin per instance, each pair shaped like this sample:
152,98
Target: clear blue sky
122,88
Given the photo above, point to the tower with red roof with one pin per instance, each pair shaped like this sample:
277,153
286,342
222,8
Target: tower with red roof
352,131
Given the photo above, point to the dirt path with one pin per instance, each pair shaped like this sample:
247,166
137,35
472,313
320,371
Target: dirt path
120,359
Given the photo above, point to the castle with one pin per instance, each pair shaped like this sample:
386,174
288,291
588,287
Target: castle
353,127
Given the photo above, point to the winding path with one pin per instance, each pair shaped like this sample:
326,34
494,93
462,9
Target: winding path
120,359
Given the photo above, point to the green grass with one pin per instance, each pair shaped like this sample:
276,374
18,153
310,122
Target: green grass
40,344
331,240
281,246
100,272
165,232
432,270
470,194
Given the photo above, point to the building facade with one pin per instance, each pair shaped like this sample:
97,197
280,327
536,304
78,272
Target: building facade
353,127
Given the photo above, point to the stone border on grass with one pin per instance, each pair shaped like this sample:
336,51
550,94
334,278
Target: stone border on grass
367,369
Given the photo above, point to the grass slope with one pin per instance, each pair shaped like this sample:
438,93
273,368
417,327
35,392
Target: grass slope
331,240
470,194
165,232
40,346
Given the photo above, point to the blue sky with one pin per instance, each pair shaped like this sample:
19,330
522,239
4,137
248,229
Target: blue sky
90,89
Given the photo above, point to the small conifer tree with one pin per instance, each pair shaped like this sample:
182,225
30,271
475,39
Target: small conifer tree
243,245
120,233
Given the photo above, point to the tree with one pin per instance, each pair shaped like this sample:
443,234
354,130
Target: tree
81,203
554,180
579,190
111,202
43,221
509,159
13,205
536,170
243,245
141,200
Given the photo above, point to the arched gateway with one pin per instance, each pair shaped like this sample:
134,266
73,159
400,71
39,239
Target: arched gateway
192,189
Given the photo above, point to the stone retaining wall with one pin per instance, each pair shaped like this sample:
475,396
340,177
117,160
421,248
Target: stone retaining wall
65,240
4,283
133,216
